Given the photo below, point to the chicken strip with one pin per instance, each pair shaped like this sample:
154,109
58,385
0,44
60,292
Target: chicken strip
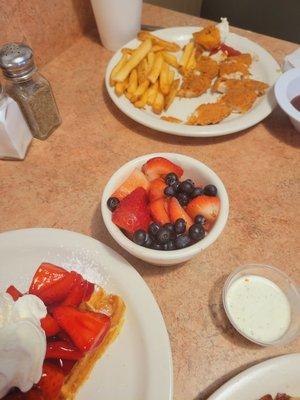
223,85
244,58
194,84
239,99
207,66
211,113
233,70
208,38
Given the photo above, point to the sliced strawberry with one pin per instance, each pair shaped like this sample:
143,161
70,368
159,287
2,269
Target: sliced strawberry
89,290
77,292
49,325
51,381
14,292
158,211
176,212
136,179
208,206
67,365
86,329
159,166
156,190
34,394
63,350
132,213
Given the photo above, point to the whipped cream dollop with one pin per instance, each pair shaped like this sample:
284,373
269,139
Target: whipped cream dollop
22,342
223,27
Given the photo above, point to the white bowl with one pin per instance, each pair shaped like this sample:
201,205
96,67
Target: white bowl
193,169
286,88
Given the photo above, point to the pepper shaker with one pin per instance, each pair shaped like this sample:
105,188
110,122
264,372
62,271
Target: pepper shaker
29,89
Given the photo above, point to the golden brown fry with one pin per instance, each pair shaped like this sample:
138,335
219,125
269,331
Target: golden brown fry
171,76
128,51
191,64
143,100
152,92
169,46
133,81
150,59
164,79
155,71
157,48
142,70
140,91
186,54
117,68
128,95
120,87
158,104
134,60
169,118
172,93
170,59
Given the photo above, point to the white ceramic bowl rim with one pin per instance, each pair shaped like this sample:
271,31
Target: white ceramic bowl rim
281,88
174,254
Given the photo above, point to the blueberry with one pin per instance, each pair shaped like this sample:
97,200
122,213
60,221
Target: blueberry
156,246
153,228
186,186
164,246
148,242
199,219
163,235
176,186
196,232
171,229
210,190
183,199
113,203
180,226
171,245
171,178
169,191
198,191
139,237
182,241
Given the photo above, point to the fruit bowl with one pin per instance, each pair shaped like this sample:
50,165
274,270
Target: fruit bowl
193,169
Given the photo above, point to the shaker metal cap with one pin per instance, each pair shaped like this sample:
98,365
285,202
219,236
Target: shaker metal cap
16,61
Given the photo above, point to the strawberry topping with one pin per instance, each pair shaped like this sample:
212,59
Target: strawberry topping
159,167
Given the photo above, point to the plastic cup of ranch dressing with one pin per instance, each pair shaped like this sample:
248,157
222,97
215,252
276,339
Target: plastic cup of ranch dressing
263,304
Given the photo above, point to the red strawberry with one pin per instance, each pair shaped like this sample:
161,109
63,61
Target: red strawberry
156,191
208,206
89,290
14,292
67,365
159,166
51,381
176,212
77,293
132,213
64,350
158,210
136,179
49,325
51,283
86,329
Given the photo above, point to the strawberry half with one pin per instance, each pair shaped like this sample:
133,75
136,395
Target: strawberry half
136,179
80,291
176,212
62,350
51,381
158,210
132,213
156,190
208,206
14,292
86,329
159,166
49,325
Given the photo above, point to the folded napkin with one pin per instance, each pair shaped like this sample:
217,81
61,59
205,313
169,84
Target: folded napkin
292,60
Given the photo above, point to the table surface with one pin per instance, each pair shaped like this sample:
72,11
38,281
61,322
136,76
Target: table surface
61,181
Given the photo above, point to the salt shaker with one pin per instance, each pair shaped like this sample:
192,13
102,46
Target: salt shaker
15,136
29,89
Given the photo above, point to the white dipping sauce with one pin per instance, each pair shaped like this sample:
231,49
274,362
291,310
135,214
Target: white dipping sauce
259,308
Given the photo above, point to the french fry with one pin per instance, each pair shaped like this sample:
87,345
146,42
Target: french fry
117,68
171,76
191,64
186,54
143,100
157,48
169,46
120,87
164,79
170,59
134,60
142,71
140,91
150,59
158,104
152,92
133,81
128,51
155,71
172,94
169,118
128,95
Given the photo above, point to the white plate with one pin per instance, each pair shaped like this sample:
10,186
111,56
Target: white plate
277,375
265,69
138,365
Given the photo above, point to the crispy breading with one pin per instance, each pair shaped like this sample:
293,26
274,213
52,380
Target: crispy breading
222,85
194,84
233,70
240,99
169,118
207,66
210,113
209,37
244,58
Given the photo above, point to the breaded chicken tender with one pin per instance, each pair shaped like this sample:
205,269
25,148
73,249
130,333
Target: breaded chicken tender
239,99
211,113
233,70
209,37
222,85
244,58
194,84
207,66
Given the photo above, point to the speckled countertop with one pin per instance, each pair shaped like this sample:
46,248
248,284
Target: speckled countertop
61,181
